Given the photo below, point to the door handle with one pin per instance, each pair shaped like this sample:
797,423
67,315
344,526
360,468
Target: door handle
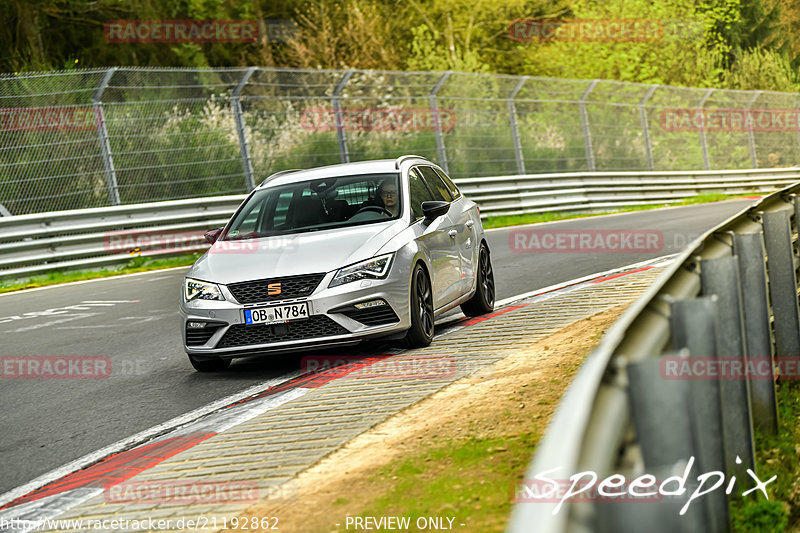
452,233
469,223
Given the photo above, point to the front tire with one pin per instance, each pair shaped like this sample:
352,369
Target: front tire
482,301
216,364
421,332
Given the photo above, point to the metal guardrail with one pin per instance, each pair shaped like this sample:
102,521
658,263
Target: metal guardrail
85,238
731,297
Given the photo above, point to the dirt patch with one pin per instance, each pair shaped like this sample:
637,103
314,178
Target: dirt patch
516,396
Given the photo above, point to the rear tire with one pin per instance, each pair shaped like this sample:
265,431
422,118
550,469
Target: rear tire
420,334
482,301
216,364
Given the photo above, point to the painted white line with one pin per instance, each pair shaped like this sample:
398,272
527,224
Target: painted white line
141,437
256,409
649,262
121,276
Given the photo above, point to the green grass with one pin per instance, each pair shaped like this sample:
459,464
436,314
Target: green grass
466,478
776,455
137,264
502,221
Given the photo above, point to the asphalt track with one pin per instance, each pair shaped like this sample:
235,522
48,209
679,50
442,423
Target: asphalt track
133,321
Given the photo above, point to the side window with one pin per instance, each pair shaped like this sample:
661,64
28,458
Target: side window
419,193
282,208
450,185
435,183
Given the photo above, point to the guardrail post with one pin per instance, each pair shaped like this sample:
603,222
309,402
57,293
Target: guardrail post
749,248
105,144
648,147
236,103
433,102
782,283
751,138
703,140
4,212
512,115
344,154
587,134
720,277
663,420
693,326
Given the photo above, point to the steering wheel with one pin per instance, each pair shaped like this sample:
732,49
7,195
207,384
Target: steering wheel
376,208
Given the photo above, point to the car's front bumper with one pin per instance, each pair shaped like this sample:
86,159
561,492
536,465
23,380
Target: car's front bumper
333,320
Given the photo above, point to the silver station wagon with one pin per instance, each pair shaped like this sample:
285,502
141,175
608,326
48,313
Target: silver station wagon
333,256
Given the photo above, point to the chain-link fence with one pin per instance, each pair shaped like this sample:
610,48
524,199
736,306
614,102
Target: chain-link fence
89,138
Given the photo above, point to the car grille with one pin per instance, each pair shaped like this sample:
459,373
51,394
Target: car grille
374,316
200,336
248,292
309,328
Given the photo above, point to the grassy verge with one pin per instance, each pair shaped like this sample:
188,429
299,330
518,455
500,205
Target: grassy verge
502,221
776,455
137,264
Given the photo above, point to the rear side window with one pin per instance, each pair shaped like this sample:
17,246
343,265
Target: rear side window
419,193
436,185
449,183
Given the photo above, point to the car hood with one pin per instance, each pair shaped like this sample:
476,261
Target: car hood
291,255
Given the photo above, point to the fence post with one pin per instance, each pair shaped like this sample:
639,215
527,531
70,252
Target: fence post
344,154
236,104
105,145
587,135
441,153
703,140
512,115
648,147
751,139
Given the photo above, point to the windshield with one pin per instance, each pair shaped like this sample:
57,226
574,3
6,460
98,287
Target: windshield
316,205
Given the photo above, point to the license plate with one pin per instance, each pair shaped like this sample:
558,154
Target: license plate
276,314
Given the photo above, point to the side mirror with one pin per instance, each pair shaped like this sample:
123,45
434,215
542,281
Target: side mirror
435,209
211,236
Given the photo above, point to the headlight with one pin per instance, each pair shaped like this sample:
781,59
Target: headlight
201,290
375,268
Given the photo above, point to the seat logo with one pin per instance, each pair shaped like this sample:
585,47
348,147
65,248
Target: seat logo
274,289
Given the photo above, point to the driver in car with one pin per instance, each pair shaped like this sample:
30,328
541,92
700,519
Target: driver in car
387,192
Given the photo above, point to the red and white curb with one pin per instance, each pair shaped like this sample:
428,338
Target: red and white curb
59,490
